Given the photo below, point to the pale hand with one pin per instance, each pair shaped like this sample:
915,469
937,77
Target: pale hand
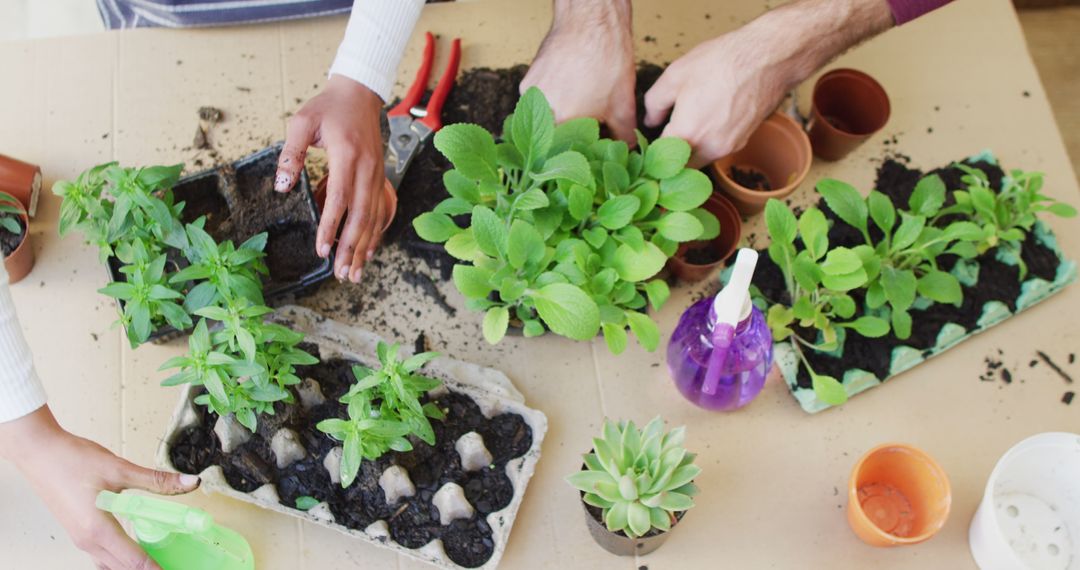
585,67
68,472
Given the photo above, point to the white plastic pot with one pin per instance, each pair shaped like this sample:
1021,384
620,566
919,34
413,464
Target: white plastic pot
1029,518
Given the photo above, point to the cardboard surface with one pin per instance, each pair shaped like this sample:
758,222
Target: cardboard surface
773,480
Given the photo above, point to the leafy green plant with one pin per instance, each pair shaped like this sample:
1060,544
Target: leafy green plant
566,231
384,409
640,479
245,364
870,288
10,209
903,263
1005,216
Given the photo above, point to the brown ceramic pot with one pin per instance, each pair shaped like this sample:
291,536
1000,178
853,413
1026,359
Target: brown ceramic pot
779,151
22,180
848,107
722,246
21,261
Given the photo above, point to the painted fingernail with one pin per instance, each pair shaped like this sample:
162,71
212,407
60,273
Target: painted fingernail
283,182
324,250
189,480
343,272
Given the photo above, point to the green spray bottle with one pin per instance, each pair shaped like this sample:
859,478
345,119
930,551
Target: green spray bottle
179,537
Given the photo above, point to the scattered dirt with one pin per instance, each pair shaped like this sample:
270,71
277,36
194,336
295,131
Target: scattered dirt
414,521
750,178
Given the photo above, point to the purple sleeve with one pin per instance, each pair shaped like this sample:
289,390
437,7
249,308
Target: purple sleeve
904,11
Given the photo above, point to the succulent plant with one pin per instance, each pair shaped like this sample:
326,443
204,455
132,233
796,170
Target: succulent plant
640,479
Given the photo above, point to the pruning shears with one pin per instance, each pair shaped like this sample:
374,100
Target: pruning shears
410,125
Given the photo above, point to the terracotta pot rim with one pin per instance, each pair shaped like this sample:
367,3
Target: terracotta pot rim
803,140
856,507
859,76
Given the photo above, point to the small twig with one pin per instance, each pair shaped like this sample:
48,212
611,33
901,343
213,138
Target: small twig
1056,368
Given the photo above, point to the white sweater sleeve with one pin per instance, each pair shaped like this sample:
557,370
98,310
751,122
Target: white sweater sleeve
374,41
20,389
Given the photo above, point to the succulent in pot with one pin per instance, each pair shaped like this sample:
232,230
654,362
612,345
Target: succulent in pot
636,485
15,246
567,229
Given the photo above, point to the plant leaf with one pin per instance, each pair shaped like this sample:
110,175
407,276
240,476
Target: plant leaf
666,157
470,148
496,321
685,191
567,310
845,201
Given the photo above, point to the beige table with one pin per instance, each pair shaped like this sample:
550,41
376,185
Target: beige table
774,478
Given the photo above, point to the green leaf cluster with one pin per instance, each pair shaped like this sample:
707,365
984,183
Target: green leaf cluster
898,261
566,230
1005,216
640,478
244,363
384,409
10,210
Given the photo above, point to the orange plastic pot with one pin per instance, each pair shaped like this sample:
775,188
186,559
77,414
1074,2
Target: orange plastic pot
897,495
388,191
22,180
848,107
779,151
21,261
722,246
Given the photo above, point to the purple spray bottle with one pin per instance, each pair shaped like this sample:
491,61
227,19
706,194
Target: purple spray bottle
721,350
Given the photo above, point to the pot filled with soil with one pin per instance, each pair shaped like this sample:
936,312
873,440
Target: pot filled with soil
15,244
698,260
22,180
627,513
150,219
973,268
448,496
848,107
773,164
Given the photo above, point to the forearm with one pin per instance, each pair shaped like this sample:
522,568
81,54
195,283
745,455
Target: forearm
803,36
20,389
590,14
375,39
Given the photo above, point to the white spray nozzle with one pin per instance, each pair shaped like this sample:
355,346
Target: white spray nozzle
732,304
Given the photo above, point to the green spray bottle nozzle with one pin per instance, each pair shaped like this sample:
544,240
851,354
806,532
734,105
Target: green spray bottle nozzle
155,519
177,536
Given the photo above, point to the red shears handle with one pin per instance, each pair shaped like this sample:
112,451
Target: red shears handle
432,118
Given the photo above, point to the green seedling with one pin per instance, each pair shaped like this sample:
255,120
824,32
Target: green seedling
1005,217
384,409
640,479
566,230
10,210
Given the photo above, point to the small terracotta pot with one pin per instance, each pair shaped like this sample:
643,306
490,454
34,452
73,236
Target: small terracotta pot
620,544
897,495
722,245
779,150
848,107
21,261
22,180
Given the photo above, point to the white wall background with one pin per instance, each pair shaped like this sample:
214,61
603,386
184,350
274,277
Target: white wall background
21,19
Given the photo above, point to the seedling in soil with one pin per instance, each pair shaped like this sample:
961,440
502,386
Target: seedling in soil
1007,216
10,210
384,409
870,288
566,231
640,479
